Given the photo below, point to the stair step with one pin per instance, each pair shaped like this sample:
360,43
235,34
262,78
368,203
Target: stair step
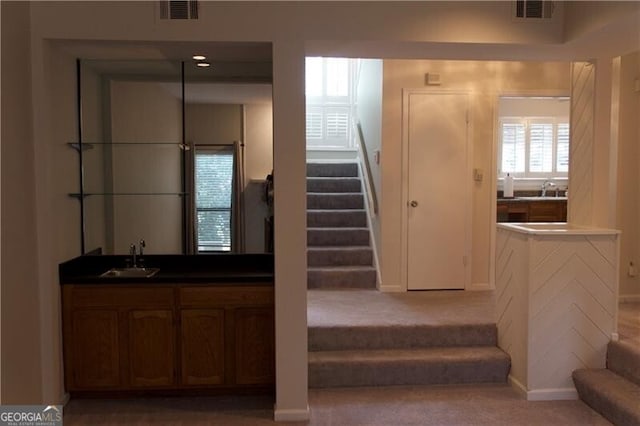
425,366
343,236
611,395
332,169
623,358
341,277
339,256
336,218
401,336
335,200
333,184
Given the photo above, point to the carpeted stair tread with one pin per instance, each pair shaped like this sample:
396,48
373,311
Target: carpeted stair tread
341,277
335,200
408,366
337,236
623,358
333,184
336,218
614,397
335,338
332,169
340,256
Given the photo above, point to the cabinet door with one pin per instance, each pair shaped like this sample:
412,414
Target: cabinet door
202,346
151,348
545,211
95,361
254,345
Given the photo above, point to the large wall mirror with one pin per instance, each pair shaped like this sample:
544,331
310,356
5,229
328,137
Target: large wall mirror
176,154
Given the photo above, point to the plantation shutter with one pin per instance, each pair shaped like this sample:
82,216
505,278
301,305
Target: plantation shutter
513,147
541,147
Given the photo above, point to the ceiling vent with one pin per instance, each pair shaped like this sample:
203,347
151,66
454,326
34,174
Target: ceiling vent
533,9
178,9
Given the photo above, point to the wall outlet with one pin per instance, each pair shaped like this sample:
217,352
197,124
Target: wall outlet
477,175
633,270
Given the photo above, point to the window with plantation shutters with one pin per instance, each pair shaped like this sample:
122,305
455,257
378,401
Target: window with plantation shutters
534,147
214,191
329,102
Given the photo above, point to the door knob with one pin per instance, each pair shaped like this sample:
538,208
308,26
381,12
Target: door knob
413,203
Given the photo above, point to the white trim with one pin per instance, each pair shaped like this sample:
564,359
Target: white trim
542,394
552,394
366,188
290,414
480,287
392,288
629,298
404,254
517,386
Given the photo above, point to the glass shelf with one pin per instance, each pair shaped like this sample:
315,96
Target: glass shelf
118,194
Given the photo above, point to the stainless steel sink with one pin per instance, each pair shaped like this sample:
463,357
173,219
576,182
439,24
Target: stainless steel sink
130,273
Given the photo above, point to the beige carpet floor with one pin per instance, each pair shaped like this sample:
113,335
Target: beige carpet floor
390,406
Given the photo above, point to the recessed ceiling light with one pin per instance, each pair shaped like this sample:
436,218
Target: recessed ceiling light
199,57
203,64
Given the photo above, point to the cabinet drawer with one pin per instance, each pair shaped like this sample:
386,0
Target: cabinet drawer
225,296
101,296
545,211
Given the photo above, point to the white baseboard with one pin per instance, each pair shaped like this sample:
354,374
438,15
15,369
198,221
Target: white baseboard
552,394
542,394
290,414
479,287
391,288
518,387
629,298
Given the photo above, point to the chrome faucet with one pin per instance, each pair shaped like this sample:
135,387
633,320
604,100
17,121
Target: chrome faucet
132,253
548,184
136,259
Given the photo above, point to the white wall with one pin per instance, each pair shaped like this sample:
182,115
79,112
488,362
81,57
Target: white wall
413,30
369,112
485,80
628,203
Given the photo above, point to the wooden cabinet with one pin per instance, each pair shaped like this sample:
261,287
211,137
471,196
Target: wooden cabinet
202,346
151,348
546,211
531,211
156,337
94,349
254,341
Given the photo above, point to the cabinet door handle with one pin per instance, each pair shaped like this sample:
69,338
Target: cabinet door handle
413,203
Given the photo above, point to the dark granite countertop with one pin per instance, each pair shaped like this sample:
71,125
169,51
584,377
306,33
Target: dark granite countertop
253,269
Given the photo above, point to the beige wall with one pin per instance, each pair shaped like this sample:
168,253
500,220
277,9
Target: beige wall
479,30
20,365
628,203
258,152
146,113
485,81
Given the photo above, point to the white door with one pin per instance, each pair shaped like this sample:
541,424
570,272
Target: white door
438,207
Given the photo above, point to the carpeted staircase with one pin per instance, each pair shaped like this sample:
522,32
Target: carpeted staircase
405,355
339,254
614,392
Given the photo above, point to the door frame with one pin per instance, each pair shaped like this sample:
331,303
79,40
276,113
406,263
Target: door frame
468,204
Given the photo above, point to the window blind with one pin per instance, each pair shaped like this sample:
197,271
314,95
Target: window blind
214,190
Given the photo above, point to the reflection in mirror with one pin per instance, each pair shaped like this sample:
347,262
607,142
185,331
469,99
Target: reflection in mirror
150,142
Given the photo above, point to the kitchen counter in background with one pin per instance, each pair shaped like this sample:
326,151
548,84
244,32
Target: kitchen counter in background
254,269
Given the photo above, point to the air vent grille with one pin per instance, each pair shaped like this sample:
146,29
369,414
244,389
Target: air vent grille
178,9
534,9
